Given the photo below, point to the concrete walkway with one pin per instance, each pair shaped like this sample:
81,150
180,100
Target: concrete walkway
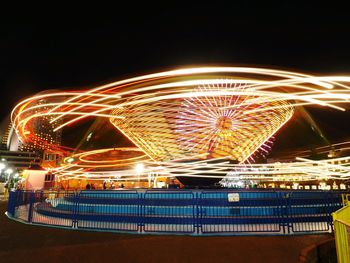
28,243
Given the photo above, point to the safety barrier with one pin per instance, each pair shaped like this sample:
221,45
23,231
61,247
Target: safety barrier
341,221
196,212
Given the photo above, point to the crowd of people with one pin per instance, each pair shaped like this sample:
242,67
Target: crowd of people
106,185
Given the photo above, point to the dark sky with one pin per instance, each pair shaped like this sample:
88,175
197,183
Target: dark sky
85,49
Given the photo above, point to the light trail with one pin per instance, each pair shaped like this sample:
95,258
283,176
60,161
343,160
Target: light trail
208,113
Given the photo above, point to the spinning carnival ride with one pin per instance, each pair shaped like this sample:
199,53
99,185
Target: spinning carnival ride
198,124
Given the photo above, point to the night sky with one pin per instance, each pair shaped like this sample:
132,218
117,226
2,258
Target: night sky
70,51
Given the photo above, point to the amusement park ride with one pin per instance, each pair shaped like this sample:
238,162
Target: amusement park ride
200,125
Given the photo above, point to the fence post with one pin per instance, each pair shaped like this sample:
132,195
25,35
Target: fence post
75,210
31,203
286,211
196,214
329,208
281,212
12,203
140,211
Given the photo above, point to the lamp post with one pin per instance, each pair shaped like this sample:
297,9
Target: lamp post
2,167
9,172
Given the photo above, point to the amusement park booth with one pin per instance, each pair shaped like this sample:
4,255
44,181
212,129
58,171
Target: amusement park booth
33,178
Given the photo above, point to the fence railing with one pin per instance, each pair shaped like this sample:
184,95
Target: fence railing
341,221
197,212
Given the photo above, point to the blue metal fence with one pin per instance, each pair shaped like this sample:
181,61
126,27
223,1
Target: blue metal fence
253,212
168,211
180,211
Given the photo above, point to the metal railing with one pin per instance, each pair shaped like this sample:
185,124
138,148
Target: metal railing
197,212
341,221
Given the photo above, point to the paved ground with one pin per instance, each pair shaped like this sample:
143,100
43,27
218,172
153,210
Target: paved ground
27,243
